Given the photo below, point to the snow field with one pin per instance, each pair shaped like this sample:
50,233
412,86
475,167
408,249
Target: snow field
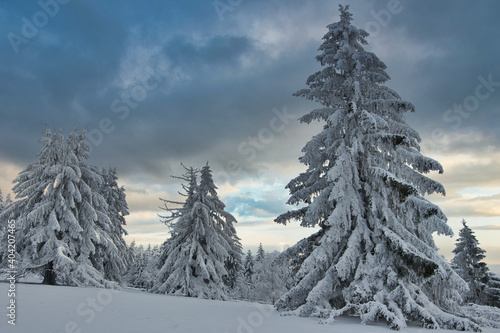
56,309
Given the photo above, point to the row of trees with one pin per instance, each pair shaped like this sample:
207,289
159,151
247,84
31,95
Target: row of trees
69,229
263,278
266,276
202,258
144,267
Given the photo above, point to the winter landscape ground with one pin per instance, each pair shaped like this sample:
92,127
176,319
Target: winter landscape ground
56,309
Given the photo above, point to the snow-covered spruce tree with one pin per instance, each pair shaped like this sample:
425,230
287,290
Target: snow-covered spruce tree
142,273
246,287
189,186
115,198
152,255
203,255
137,265
261,254
493,290
269,278
469,265
249,266
364,186
63,229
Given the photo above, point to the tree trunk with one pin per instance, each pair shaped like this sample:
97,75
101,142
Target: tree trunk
49,276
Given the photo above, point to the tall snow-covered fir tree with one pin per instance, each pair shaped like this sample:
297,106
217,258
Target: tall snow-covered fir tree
202,258
189,186
374,255
63,228
469,265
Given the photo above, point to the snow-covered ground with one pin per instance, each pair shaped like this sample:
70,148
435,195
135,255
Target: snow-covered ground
54,309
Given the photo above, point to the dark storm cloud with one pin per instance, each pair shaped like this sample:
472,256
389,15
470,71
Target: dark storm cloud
224,77
52,77
457,47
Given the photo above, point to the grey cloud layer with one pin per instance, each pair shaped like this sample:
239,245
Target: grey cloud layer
224,77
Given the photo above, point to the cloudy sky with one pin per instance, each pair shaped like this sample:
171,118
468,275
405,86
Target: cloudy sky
163,82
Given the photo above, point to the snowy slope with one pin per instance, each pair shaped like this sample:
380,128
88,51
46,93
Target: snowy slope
49,309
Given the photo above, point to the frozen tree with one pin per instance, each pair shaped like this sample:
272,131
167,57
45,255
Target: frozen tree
494,290
137,265
269,278
469,265
261,254
246,287
115,198
364,186
189,186
132,251
202,258
143,270
63,228
152,254
225,221
249,266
